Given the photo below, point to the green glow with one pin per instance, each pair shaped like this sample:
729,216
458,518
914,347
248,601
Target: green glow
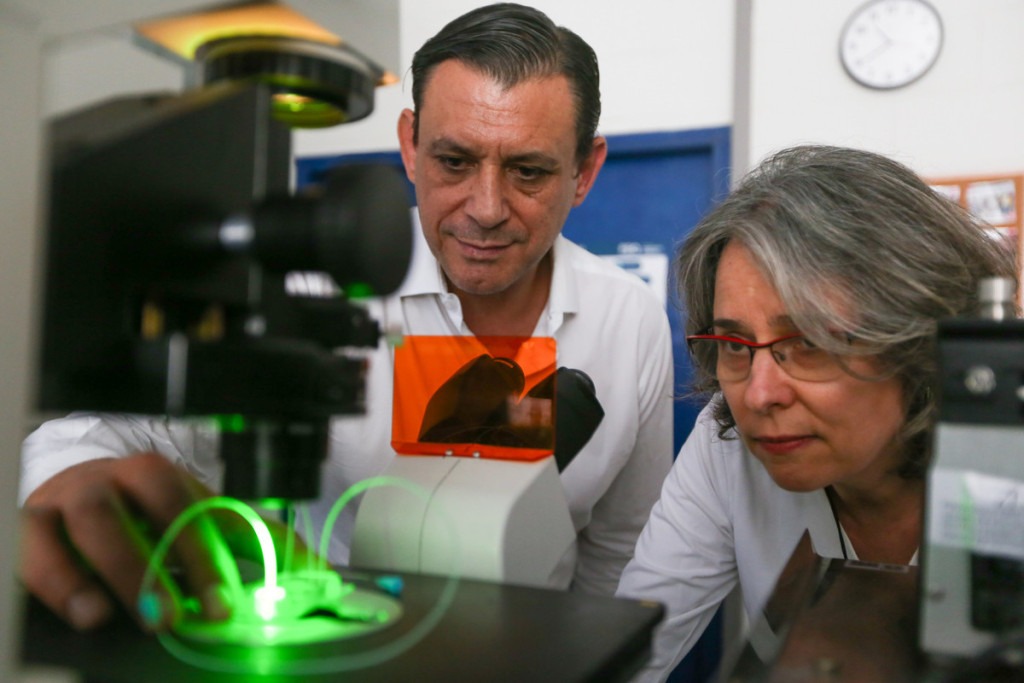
247,513
358,290
967,516
307,526
301,111
267,548
266,599
273,619
233,424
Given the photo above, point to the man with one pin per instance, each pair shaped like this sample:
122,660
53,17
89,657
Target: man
501,146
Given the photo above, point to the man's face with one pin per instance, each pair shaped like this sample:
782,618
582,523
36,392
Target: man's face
495,174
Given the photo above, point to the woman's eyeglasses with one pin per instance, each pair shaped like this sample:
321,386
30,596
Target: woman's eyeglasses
731,357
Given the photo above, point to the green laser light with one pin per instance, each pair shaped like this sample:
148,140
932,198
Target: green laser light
266,599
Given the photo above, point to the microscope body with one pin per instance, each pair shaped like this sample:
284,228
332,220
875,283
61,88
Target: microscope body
486,519
172,233
482,427
972,579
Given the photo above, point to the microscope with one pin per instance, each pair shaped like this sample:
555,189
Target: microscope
172,249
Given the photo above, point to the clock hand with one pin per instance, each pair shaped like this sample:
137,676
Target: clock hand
877,51
881,32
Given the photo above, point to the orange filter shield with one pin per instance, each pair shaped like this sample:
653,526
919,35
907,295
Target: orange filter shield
489,397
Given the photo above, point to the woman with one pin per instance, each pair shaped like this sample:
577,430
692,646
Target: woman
812,294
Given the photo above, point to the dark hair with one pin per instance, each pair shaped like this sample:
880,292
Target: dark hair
832,224
513,43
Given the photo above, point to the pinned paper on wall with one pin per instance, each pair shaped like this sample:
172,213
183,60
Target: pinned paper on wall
997,202
993,201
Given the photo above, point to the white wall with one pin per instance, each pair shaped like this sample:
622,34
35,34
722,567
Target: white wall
665,65
19,145
963,117
669,65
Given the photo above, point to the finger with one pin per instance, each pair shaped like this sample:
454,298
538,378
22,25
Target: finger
224,586
237,533
51,572
85,505
200,552
101,526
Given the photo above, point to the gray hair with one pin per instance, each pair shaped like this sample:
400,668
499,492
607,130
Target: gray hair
855,242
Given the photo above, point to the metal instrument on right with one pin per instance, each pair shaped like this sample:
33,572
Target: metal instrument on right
972,564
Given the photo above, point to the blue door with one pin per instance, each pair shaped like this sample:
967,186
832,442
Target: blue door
652,191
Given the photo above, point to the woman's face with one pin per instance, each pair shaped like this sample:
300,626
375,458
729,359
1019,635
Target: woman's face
808,435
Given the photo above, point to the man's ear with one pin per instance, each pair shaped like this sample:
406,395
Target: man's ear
406,121
589,169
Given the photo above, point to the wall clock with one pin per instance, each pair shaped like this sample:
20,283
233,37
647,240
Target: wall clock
888,44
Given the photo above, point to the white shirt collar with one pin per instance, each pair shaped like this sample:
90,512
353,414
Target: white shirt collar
425,278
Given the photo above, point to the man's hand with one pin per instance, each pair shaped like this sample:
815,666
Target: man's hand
88,533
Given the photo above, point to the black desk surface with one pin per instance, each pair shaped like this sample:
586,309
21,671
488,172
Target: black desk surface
490,632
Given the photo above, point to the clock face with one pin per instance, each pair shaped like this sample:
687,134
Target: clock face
890,43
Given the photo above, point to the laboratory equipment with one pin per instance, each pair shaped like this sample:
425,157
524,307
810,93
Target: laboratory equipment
972,580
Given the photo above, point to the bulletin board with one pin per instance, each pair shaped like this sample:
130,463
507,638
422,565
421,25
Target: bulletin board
998,200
